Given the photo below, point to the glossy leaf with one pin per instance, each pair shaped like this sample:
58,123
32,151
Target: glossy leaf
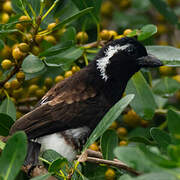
32,64
107,120
166,86
167,54
51,155
141,139
173,118
165,10
73,17
144,103
161,137
109,141
8,107
134,158
42,177
5,124
147,31
13,156
157,158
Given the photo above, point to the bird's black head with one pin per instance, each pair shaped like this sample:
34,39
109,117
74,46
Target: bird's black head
123,57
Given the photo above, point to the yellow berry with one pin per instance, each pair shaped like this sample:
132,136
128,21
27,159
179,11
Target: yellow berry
17,54
114,125
32,89
6,64
94,147
40,93
126,32
24,18
19,27
82,37
5,18
110,174
35,50
107,8
7,85
15,84
144,123
17,93
68,74
123,143
131,118
177,78
20,76
166,70
51,26
121,131
5,52
24,47
48,82
58,78
7,6
38,39
112,34
75,69
119,36
50,39
104,34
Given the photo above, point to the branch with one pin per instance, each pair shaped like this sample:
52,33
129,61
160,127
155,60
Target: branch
96,157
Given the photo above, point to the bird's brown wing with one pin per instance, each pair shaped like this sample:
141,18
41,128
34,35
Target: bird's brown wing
63,108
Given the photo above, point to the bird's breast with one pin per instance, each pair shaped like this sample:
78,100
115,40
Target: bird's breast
67,143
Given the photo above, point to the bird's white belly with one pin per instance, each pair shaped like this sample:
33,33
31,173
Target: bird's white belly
57,142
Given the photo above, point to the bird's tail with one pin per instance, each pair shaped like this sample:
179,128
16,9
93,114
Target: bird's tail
32,154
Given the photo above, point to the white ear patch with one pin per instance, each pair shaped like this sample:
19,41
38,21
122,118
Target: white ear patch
104,61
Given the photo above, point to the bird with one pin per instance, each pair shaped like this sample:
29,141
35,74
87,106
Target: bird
68,113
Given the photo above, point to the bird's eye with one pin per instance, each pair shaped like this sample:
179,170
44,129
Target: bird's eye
130,50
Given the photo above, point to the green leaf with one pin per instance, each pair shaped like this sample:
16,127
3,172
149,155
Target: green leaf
134,158
2,145
5,124
173,118
66,58
165,10
141,139
57,49
174,152
57,165
17,6
7,107
1,44
69,35
161,137
166,86
157,158
42,177
13,156
147,31
32,64
51,155
144,103
156,176
109,141
171,57
107,120
73,17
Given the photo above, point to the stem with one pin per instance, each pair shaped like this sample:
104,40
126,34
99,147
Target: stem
50,9
85,59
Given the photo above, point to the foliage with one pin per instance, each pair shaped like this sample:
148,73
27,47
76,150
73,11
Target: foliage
47,41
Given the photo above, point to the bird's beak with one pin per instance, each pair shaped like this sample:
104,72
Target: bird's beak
149,61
